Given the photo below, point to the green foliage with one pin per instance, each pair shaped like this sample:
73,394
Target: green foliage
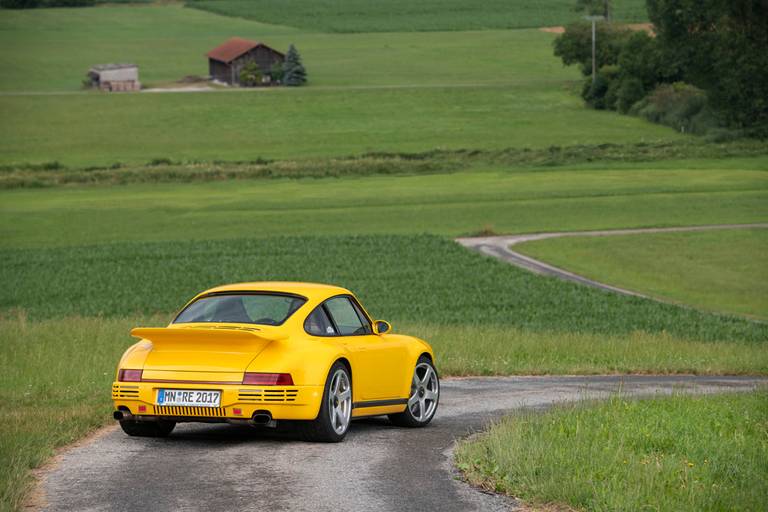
720,46
595,7
679,105
409,16
681,453
276,72
103,280
574,46
600,94
294,73
250,75
629,92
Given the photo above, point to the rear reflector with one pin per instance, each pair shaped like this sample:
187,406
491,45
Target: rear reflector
268,379
237,411
142,408
129,375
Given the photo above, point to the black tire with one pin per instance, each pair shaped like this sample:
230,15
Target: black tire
409,418
147,428
321,429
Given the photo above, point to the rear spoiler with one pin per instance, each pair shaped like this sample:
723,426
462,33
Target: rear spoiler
202,335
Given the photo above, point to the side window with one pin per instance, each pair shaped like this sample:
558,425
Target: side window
345,317
318,323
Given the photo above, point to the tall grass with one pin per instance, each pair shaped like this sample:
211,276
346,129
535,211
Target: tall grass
673,454
54,388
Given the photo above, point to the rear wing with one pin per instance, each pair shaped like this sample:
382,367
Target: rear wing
167,337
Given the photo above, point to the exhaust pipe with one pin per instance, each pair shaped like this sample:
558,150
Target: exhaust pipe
262,419
122,414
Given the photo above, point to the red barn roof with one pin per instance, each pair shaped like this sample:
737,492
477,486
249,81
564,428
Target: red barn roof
233,48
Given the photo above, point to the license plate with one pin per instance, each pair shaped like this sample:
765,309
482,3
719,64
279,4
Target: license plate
188,397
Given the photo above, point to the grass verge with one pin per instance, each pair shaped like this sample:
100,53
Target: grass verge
682,453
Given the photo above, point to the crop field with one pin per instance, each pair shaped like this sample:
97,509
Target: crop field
138,278
717,270
678,453
405,15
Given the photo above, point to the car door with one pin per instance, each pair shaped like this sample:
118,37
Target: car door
379,362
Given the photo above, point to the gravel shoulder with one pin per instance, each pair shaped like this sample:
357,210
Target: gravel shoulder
378,467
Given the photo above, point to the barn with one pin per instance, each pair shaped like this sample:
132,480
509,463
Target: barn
227,60
115,77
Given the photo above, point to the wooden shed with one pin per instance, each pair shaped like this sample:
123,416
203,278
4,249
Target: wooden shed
115,77
227,60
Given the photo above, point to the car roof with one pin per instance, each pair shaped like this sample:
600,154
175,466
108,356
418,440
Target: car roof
308,290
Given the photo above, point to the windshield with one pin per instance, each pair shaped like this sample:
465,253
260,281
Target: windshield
250,308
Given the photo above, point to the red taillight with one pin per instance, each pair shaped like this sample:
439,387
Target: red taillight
268,379
129,375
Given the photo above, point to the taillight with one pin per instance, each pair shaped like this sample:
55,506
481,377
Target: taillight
129,375
268,379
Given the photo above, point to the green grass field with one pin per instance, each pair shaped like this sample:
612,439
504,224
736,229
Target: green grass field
508,201
367,92
714,270
405,15
672,454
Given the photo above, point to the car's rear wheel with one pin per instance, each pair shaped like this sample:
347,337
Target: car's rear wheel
424,397
335,414
147,428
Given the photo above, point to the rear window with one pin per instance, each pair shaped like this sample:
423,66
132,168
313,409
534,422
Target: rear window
251,308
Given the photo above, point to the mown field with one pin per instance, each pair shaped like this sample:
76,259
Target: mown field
404,15
680,453
367,92
715,270
508,201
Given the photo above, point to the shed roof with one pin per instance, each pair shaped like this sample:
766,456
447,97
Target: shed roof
108,67
233,48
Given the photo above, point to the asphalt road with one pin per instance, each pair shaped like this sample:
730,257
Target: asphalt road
500,247
378,467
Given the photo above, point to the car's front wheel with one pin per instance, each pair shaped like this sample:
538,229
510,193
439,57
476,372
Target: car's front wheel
147,428
335,414
425,394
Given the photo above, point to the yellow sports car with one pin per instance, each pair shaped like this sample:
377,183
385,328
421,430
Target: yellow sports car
258,353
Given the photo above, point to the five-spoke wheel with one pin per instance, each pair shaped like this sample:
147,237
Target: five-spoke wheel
424,396
333,419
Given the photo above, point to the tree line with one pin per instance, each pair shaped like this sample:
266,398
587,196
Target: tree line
702,67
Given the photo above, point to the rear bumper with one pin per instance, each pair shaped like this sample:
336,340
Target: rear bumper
238,402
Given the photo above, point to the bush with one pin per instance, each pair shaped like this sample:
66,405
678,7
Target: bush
629,92
250,75
679,105
600,94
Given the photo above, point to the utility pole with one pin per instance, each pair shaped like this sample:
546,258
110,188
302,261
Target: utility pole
594,20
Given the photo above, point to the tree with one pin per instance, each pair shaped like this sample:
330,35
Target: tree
595,7
250,75
574,46
720,46
294,72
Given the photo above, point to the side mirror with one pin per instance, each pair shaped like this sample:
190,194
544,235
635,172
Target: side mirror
381,327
